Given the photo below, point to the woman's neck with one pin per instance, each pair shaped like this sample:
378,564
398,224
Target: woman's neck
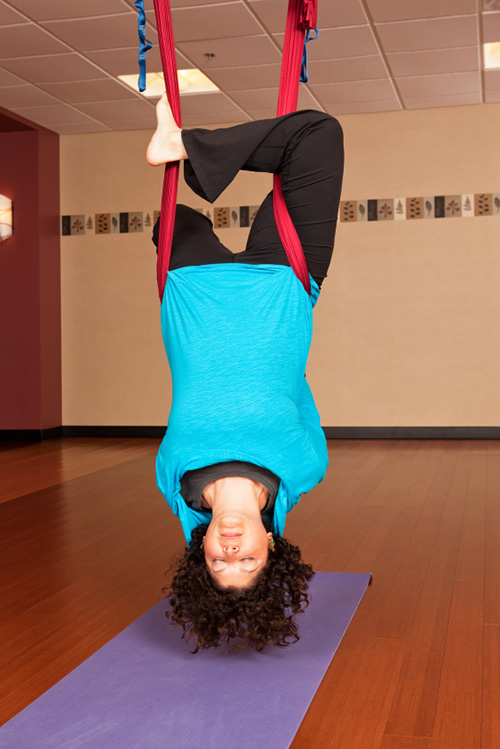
235,493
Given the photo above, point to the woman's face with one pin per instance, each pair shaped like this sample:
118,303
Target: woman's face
236,548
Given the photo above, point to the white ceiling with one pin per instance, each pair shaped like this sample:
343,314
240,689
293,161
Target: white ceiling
59,58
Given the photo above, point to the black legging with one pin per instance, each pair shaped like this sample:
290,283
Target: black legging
306,148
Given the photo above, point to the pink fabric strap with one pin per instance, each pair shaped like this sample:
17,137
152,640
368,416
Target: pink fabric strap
301,16
171,178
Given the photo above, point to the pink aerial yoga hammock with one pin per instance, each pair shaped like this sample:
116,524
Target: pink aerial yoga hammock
301,16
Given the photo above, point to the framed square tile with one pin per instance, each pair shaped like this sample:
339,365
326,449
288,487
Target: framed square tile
65,226
89,224
399,209
453,206
253,212
439,206
102,223
123,223
348,211
362,210
221,217
77,225
414,208
483,204
385,209
372,210
156,215
114,223
467,206
148,221
135,222
496,203
234,217
244,215
429,207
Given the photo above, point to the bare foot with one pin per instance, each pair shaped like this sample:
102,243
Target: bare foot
166,144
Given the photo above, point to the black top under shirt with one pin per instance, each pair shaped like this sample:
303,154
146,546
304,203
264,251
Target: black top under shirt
194,482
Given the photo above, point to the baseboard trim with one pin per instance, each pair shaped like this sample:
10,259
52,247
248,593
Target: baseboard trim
331,433
75,431
412,433
30,435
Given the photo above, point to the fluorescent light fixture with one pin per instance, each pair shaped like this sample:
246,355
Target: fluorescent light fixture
5,218
191,81
491,55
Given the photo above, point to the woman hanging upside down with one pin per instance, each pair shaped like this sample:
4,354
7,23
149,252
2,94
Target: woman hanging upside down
244,439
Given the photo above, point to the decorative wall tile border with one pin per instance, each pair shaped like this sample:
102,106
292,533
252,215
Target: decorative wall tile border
223,217
351,211
404,209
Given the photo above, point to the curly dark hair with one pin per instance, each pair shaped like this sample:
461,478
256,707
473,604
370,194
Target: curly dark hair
256,616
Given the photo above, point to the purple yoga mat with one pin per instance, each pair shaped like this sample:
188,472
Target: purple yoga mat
145,689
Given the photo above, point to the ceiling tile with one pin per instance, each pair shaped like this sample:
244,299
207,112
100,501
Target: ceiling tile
8,15
51,68
42,10
395,10
346,69
81,127
9,79
215,118
267,98
366,107
492,80
105,32
117,110
250,76
353,91
431,61
75,92
262,98
352,41
330,14
24,96
192,24
307,99
446,84
443,101
263,114
491,27
54,115
189,3
132,124
407,36
124,61
27,40
232,51
204,103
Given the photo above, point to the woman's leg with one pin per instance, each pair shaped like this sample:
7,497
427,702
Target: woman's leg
306,148
194,241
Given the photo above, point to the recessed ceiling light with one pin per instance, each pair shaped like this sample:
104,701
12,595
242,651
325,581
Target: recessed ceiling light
191,81
491,55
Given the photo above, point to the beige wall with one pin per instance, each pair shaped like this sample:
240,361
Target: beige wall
406,328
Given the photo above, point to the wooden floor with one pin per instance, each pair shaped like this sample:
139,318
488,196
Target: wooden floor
85,539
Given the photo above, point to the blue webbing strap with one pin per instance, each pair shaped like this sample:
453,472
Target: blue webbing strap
304,76
144,44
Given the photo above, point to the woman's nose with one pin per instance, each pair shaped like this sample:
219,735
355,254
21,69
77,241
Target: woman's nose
230,548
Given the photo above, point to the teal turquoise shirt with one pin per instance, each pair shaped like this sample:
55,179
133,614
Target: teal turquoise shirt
237,337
